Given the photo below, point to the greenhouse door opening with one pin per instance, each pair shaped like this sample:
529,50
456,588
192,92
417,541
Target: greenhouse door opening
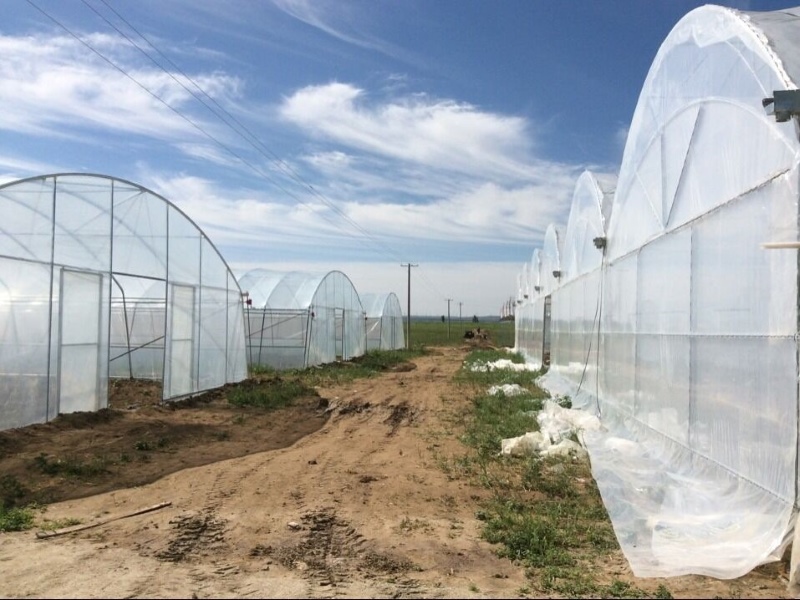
180,375
341,350
546,334
79,349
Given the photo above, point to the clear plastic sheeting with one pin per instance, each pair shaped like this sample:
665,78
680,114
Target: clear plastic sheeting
296,320
531,337
384,321
99,278
575,319
695,371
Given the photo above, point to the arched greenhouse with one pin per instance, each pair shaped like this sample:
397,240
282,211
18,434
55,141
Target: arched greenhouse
99,278
697,370
297,320
384,321
576,305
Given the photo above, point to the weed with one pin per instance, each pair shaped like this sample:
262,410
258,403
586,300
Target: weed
222,435
11,492
71,466
142,446
662,592
544,513
270,394
49,525
407,525
16,519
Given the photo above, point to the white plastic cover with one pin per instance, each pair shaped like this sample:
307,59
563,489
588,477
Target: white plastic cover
384,321
575,322
86,267
697,379
296,319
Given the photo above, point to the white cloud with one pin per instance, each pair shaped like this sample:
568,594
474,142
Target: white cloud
442,134
54,85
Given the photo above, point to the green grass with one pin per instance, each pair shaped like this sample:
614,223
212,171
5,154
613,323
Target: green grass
72,466
16,519
370,364
269,394
543,513
434,332
13,517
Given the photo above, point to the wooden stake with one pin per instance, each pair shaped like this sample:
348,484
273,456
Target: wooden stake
43,535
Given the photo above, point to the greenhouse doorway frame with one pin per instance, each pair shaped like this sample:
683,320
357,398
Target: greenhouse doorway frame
79,341
180,373
546,331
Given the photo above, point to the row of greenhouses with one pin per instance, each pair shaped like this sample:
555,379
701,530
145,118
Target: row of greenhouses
668,304
101,278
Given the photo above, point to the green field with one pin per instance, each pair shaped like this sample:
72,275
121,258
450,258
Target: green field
432,332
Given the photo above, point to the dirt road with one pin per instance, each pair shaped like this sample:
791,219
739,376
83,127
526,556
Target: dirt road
357,508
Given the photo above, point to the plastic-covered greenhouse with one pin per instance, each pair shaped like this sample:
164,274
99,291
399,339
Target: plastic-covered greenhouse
695,375
99,278
384,321
297,320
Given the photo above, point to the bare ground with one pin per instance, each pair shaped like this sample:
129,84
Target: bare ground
339,496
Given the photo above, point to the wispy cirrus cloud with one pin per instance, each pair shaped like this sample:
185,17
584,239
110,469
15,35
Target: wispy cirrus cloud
444,134
55,85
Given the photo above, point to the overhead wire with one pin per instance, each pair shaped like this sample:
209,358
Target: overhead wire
231,121
228,119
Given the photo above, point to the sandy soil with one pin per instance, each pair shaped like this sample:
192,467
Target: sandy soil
339,496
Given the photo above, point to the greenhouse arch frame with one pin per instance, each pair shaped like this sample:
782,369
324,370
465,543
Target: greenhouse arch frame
83,258
297,319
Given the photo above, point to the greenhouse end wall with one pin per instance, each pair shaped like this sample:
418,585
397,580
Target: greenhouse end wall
298,319
76,253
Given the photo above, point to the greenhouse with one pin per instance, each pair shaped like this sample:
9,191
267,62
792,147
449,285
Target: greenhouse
296,320
696,375
575,315
532,321
384,321
99,278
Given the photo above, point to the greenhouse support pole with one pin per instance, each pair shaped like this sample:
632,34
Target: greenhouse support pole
408,311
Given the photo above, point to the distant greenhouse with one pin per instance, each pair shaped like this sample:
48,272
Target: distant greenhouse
297,320
384,321
99,278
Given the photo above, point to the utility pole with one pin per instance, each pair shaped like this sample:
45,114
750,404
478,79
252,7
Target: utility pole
408,311
459,313
449,300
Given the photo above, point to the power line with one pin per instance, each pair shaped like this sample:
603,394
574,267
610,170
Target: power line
227,118
240,128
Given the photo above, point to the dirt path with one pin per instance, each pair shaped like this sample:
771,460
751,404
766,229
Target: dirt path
357,508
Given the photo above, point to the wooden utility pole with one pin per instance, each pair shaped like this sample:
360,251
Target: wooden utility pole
408,311
449,300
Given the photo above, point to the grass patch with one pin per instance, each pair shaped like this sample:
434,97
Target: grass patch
370,364
270,394
71,466
13,517
48,525
16,519
432,332
543,513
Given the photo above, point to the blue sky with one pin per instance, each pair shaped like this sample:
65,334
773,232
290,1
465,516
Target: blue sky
337,135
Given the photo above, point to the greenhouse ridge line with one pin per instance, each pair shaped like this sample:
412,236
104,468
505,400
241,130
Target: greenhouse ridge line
242,130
